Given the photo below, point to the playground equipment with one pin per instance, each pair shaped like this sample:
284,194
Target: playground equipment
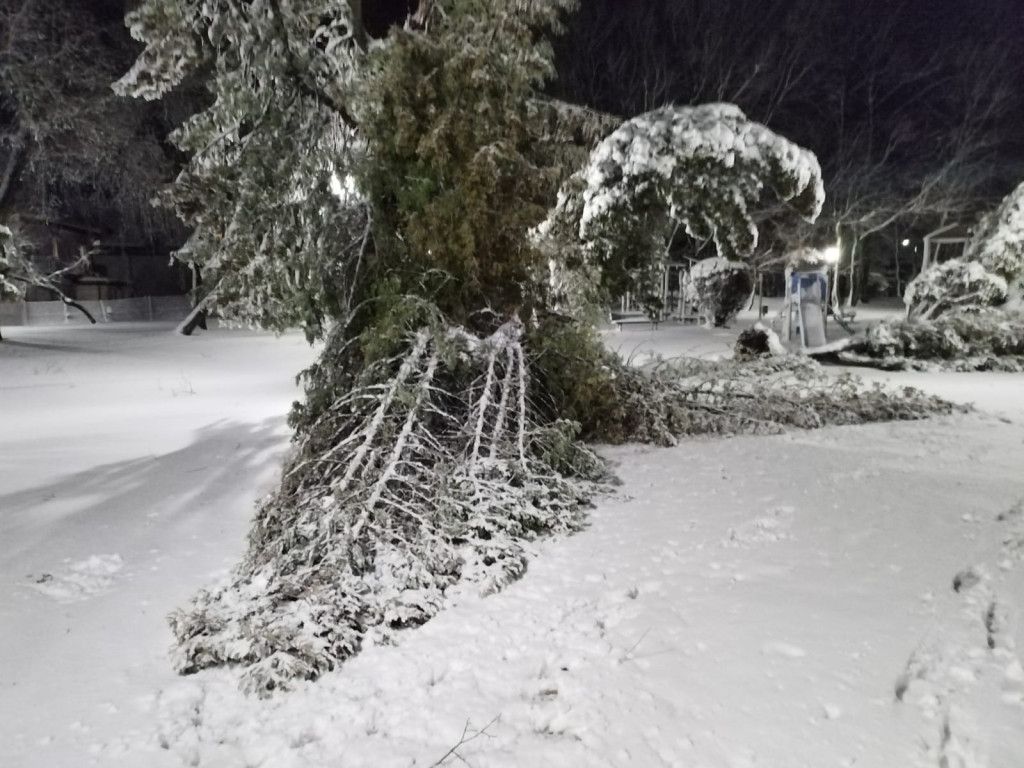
806,306
673,300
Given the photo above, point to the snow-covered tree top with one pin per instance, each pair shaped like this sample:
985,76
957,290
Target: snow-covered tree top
717,136
999,241
713,266
990,273
314,37
702,168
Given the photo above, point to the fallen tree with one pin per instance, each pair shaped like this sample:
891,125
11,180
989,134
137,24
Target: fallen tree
986,340
388,198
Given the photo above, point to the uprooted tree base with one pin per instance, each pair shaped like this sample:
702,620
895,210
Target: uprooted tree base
437,468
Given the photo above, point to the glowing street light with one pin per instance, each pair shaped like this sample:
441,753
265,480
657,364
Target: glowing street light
905,242
831,254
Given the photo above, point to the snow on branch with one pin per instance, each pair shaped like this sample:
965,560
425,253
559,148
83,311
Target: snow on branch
430,476
990,273
705,167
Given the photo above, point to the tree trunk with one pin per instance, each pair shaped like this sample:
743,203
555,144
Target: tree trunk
851,290
896,254
358,26
72,303
195,319
11,166
835,267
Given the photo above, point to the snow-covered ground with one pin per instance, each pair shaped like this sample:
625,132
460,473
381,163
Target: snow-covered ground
847,597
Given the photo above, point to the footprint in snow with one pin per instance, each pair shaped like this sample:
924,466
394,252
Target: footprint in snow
770,527
79,580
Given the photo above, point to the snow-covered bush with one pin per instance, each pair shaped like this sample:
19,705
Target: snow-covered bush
954,284
968,341
990,272
717,289
766,395
701,167
998,244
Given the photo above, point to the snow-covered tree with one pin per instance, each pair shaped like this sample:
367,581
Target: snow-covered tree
275,244
990,272
10,289
381,194
718,289
998,244
953,285
18,272
69,147
705,168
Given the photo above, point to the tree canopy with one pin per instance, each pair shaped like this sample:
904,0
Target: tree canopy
705,169
69,147
386,196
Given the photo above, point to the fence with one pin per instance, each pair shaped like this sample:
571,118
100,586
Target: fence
166,308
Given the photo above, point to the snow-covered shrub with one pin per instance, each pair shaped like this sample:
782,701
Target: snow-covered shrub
998,241
701,167
717,289
998,244
990,273
955,284
968,341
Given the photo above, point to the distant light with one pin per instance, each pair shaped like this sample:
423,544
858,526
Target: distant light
905,242
831,254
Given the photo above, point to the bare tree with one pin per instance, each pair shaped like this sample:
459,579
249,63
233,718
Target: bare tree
68,144
912,138
912,119
18,272
696,51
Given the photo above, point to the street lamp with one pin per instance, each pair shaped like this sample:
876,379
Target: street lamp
905,242
831,255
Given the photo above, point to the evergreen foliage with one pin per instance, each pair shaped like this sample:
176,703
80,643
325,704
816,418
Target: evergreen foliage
276,246
429,472
989,274
718,289
705,168
998,244
980,340
667,400
953,285
381,195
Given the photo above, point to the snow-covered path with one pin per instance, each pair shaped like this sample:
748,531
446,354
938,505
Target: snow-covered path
772,601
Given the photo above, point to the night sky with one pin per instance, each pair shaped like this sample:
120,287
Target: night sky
614,51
